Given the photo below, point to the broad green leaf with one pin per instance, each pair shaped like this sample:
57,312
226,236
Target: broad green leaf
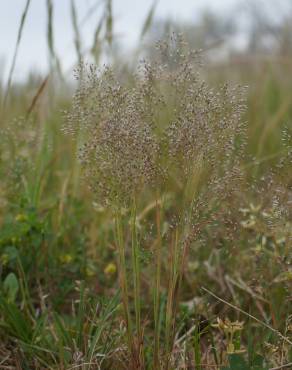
11,287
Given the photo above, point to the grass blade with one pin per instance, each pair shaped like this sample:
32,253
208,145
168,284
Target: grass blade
157,306
148,21
63,333
103,321
80,315
37,96
109,22
96,46
77,38
20,30
50,37
15,322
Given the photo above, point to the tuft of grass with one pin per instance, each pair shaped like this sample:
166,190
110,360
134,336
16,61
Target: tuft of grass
127,148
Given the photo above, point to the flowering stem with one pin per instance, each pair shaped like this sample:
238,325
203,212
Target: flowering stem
157,288
123,282
170,312
137,281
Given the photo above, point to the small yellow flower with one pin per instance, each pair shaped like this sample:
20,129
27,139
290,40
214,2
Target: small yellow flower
110,269
66,258
21,217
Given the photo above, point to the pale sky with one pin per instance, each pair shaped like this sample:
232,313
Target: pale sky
129,17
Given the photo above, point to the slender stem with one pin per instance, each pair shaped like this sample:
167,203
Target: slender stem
170,313
157,288
20,30
137,282
123,281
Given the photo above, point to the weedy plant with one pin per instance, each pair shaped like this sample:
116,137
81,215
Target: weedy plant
160,143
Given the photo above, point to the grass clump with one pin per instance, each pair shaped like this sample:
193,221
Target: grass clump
165,135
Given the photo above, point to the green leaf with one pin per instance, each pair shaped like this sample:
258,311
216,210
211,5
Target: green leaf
11,287
12,253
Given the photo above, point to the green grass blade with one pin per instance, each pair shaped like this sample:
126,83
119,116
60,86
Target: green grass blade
149,20
50,38
103,322
197,349
20,30
97,44
77,37
63,333
109,22
80,316
15,322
